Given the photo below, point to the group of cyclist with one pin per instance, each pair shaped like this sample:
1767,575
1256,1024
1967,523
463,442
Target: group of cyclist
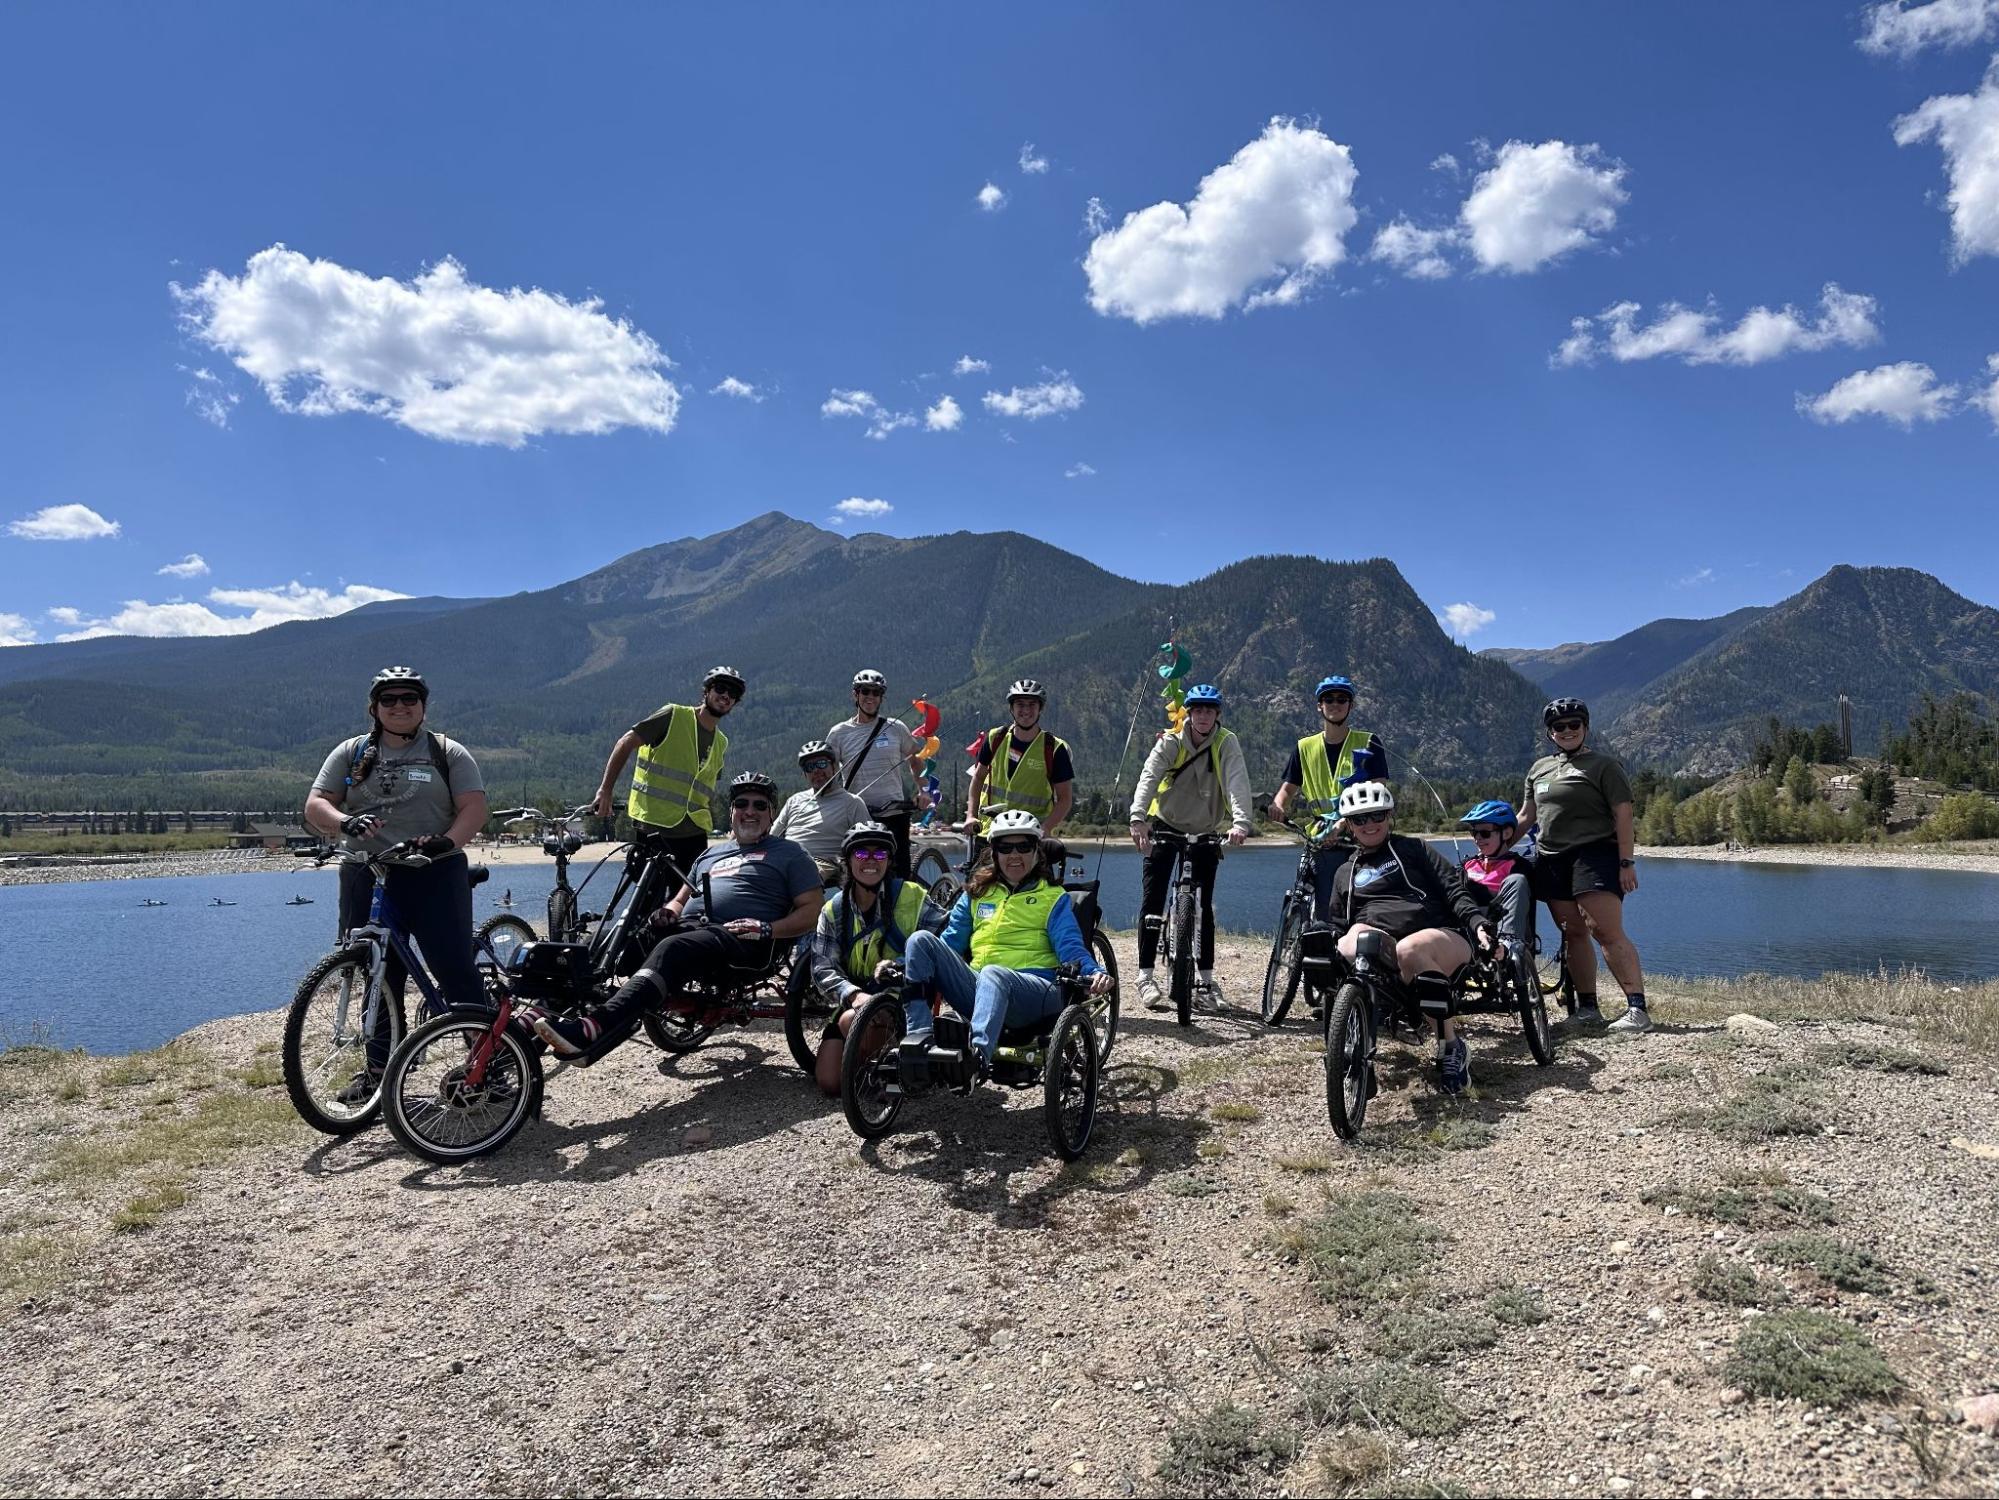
994,953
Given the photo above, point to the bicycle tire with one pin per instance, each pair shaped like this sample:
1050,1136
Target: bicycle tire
1180,939
869,1109
419,1114
1069,1083
1106,1009
1553,972
1349,1065
562,927
932,860
674,1031
501,935
328,1115
1532,1005
1281,974
805,1015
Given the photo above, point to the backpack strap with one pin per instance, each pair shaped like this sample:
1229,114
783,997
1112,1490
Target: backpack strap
437,756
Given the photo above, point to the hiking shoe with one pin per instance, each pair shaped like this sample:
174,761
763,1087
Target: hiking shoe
1150,992
360,1088
567,1036
1586,1015
1634,1020
1208,994
1454,1066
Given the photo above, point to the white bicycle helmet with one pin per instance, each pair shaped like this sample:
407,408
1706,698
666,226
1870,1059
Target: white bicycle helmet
867,677
1027,687
1014,822
1366,797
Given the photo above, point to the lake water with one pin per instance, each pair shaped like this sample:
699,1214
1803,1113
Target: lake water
86,961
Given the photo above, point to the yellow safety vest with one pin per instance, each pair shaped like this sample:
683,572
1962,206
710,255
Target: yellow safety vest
1321,786
1026,787
670,782
1185,755
866,950
1010,928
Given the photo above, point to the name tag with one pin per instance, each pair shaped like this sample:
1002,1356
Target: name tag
1540,789
420,773
987,908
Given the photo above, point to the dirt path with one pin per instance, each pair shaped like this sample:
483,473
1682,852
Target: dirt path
688,1279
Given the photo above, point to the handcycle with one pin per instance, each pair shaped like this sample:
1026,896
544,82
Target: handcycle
1282,973
1059,1053
1371,993
345,1001
1179,925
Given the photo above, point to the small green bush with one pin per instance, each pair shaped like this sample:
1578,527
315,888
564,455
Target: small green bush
1517,1307
1424,1335
1808,1356
1366,1247
1848,1266
1218,1452
1733,1284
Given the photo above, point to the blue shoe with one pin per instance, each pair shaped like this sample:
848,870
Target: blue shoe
1454,1065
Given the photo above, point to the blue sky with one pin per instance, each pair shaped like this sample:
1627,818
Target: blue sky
789,198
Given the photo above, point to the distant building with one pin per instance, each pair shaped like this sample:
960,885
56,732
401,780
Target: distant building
275,838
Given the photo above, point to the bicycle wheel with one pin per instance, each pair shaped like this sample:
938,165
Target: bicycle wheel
868,1065
1525,982
1280,975
562,915
501,937
929,866
326,1043
1180,943
1104,1009
432,1105
675,1030
1553,972
1069,1084
806,1013
1349,1059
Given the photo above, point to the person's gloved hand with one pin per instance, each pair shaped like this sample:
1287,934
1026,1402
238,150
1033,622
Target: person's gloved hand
360,825
435,846
664,920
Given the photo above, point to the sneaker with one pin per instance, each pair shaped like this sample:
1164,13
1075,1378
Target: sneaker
360,1088
1150,992
1454,1065
1208,994
1586,1015
1634,1020
567,1036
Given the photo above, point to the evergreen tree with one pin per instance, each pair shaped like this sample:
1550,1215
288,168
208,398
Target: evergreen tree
1798,783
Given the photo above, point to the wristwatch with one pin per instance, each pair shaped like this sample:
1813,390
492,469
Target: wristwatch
764,930
1625,864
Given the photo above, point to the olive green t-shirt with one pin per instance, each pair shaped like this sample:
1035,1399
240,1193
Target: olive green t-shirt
1573,795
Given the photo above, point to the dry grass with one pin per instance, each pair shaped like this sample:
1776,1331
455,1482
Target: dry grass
1236,1113
178,1061
1790,1099
163,1144
151,1204
1961,1015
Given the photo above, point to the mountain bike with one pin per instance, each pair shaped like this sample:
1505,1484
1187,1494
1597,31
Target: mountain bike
560,840
1281,974
1179,926
345,1018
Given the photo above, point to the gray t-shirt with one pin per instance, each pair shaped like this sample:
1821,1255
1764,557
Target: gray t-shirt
818,821
878,782
404,788
762,882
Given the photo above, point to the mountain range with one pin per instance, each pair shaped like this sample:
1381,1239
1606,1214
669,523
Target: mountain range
540,683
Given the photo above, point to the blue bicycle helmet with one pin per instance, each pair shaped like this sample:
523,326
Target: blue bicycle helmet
1205,692
1494,811
1335,684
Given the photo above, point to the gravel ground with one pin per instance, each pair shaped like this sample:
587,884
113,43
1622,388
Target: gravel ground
691,1278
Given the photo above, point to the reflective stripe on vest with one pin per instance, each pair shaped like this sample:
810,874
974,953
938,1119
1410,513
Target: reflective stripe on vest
871,947
1321,786
1185,755
1010,928
1026,786
669,784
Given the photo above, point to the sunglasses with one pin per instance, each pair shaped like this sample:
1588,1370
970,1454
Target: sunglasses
732,694
1485,833
1567,726
871,856
1013,846
819,765
750,804
1367,820
867,692
1337,698
400,700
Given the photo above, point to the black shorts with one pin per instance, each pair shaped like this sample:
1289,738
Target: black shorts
1578,872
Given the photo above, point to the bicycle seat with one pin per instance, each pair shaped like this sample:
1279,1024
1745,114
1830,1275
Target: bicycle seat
478,875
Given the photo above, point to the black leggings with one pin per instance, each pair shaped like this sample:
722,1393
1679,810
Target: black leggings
675,962
433,905
1158,885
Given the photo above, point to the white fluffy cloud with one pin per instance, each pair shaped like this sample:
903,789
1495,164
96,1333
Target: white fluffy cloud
1698,337
439,355
1904,394
881,421
63,523
1463,620
1078,471
209,398
1535,204
250,609
1413,251
1902,28
1988,399
15,631
967,365
1262,228
1031,164
992,198
944,416
1966,128
1033,402
742,390
860,510
194,565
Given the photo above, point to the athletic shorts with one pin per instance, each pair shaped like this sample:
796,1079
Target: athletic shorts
1577,872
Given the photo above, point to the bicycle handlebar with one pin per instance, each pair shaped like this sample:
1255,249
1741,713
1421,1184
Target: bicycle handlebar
395,854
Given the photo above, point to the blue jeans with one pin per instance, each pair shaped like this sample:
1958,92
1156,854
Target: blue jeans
994,998
1512,907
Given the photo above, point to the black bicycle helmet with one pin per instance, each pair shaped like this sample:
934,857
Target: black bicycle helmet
725,677
814,750
390,677
1565,708
753,781
1027,687
867,835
